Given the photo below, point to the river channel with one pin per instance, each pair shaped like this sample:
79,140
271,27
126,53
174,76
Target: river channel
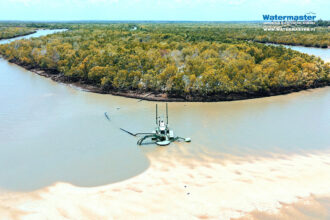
52,132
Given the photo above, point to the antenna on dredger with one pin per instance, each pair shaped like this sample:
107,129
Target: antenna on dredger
166,114
156,114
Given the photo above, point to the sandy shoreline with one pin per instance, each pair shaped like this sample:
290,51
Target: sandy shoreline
178,187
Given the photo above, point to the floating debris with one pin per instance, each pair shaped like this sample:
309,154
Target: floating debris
106,115
144,96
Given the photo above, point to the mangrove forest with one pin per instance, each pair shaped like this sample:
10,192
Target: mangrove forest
193,62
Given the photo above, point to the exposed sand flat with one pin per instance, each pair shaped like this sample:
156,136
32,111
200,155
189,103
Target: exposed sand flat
307,208
179,187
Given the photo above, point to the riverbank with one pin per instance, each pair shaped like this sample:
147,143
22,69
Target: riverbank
290,44
262,158
19,35
164,97
178,186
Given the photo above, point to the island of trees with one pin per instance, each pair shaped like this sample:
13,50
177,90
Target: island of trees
191,62
319,38
11,32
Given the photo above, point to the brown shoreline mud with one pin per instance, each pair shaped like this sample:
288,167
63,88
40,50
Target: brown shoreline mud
164,97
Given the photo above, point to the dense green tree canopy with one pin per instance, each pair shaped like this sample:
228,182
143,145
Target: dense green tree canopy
180,60
10,32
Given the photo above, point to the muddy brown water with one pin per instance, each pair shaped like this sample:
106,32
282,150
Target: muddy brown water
52,132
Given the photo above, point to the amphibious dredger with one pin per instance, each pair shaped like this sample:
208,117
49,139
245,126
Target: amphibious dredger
162,135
